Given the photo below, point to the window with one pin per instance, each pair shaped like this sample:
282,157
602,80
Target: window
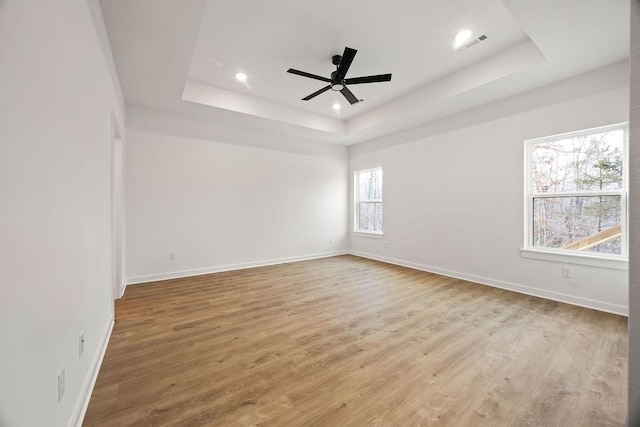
576,192
368,198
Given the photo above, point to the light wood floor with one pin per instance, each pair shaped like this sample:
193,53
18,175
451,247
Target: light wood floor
346,341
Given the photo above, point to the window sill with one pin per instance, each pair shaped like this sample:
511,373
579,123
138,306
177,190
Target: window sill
370,235
613,263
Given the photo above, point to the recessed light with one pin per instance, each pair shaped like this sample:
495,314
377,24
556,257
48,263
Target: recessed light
241,77
336,106
461,38
470,43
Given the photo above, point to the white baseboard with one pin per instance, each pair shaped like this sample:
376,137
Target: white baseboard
124,289
219,269
82,404
527,290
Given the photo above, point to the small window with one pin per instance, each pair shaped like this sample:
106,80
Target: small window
576,192
368,201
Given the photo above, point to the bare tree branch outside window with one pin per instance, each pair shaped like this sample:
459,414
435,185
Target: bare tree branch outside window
369,200
576,185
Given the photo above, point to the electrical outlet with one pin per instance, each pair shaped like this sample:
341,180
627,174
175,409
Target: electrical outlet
173,256
331,241
386,244
61,385
567,272
81,345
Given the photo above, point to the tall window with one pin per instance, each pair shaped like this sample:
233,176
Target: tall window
368,195
576,192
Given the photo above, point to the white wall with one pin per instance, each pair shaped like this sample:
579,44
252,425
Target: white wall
55,206
634,261
453,200
220,206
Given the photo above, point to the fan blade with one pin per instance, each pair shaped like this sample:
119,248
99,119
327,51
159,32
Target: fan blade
311,76
345,63
368,79
349,95
314,94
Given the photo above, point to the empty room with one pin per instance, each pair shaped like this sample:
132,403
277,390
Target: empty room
287,213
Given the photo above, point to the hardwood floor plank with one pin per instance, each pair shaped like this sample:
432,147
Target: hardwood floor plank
351,341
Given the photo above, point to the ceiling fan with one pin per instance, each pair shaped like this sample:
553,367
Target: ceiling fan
338,81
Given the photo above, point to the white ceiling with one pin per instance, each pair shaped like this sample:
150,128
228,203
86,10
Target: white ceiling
181,56
288,33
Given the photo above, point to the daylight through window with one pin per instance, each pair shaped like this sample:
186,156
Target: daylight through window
368,206
577,191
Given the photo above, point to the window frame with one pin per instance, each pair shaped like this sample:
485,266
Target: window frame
357,202
615,261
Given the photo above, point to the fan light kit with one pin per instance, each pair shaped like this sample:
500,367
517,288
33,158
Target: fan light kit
338,81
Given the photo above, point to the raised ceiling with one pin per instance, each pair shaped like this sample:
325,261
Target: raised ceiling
181,57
